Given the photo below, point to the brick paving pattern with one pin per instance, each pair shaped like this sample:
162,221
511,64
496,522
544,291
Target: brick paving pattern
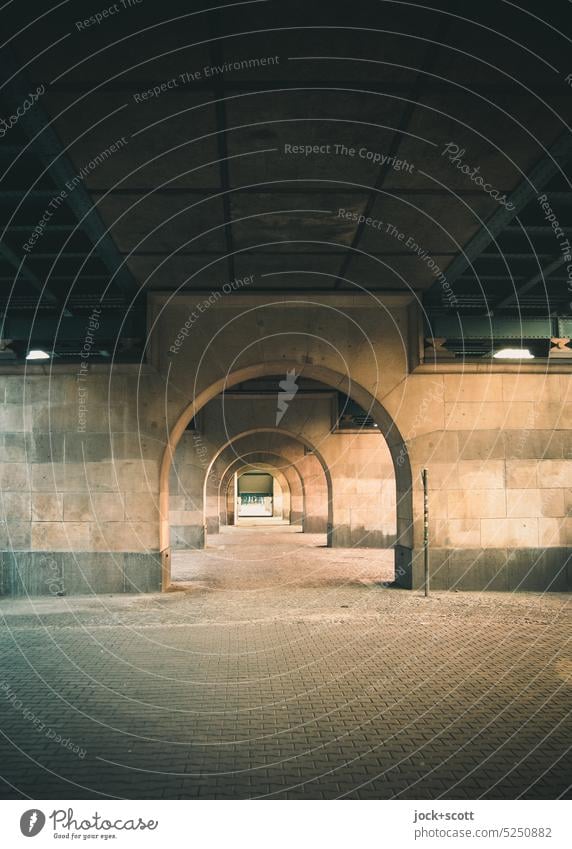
286,682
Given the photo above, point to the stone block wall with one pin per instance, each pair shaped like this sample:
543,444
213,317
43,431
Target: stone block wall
499,477
359,463
186,493
78,490
364,492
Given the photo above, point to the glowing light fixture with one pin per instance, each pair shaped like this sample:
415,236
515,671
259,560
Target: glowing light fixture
37,354
513,354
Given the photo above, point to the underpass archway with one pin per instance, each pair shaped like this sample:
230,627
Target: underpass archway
338,381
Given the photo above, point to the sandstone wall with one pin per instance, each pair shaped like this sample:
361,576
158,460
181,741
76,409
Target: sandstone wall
82,484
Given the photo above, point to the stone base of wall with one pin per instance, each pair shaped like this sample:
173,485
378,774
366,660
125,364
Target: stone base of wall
345,537
187,536
495,569
67,573
314,525
53,573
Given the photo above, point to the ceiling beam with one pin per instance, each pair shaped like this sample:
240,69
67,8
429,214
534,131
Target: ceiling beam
44,142
20,267
524,193
529,284
17,194
366,84
427,64
563,198
533,230
64,255
52,228
217,58
59,278
276,254
499,327
302,187
508,255
471,278
9,151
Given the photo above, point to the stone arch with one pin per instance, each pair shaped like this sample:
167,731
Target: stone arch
285,467
337,380
271,468
288,435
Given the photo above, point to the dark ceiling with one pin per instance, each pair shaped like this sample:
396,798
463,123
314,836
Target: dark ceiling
196,184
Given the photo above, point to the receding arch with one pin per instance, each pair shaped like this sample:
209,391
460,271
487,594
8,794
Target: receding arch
341,382
287,468
286,434
270,468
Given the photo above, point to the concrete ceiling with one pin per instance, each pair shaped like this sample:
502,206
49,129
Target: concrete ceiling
202,188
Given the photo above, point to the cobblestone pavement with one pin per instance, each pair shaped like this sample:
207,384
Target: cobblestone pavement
307,688
268,555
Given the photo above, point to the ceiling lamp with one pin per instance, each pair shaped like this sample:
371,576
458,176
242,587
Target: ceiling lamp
37,354
513,354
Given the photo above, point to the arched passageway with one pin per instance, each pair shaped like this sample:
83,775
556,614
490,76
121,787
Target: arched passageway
344,478
307,497
300,455
286,474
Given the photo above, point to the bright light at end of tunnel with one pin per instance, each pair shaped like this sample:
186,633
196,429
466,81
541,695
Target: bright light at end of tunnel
36,354
513,354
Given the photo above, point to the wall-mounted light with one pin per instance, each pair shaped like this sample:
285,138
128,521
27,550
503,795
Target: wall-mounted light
37,354
513,354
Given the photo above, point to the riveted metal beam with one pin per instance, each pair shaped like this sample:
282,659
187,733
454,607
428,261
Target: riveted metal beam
45,143
474,328
529,284
24,271
526,191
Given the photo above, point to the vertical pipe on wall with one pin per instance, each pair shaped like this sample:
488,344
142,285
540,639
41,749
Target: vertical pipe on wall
424,477
235,498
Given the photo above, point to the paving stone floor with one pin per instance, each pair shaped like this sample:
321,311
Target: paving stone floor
285,671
